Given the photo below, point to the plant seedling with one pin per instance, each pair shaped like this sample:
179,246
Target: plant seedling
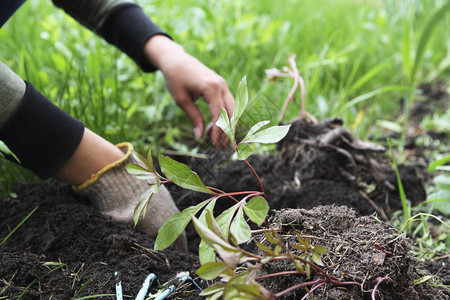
232,222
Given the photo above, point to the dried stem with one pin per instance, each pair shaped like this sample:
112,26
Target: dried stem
298,80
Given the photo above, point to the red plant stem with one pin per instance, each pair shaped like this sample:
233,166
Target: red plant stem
378,280
263,194
250,193
257,177
230,195
326,266
297,286
312,290
278,274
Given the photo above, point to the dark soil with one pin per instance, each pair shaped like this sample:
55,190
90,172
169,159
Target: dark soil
319,165
316,164
65,229
353,255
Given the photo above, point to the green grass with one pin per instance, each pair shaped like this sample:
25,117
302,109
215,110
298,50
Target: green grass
357,59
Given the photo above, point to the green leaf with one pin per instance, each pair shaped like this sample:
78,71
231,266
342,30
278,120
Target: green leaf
303,242
264,248
224,123
139,158
229,254
209,207
225,218
278,249
175,226
211,222
422,279
250,289
437,163
271,239
150,158
244,151
140,172
240,104
442,181
256,209
257,127
216,296
320,249
316,259
211,270
182,175
299,266
308,270
239,227
299,247
209,236
440,200
206,253
217,288
5,150
268,136
230,291
141,207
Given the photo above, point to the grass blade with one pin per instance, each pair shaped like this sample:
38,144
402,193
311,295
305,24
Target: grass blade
17,227
431,24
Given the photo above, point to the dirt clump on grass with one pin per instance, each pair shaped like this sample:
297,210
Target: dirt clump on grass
360,250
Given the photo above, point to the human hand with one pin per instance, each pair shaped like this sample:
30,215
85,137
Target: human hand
187,80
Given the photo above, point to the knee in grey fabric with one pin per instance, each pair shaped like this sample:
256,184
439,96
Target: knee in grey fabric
12,89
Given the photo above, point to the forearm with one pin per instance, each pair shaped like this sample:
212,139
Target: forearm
160,50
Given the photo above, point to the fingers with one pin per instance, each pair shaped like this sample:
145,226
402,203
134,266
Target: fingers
187,80
218,95
194,115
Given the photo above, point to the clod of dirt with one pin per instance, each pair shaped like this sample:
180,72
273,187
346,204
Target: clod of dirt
320,164
354,256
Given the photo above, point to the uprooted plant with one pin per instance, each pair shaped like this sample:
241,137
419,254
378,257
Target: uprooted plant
291,71
238,269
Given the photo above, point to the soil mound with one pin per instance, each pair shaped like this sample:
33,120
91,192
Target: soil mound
360,249
66,249
320,164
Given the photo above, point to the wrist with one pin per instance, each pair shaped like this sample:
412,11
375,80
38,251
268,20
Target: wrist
159,50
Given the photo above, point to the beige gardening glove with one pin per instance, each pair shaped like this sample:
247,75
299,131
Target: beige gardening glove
115,192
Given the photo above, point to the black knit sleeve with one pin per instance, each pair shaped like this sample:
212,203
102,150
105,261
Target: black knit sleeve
40,134
120,22
128,28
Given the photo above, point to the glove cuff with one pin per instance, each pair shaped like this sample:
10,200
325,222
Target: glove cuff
126,148
115,193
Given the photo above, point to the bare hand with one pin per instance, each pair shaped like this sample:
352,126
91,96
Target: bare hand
187,80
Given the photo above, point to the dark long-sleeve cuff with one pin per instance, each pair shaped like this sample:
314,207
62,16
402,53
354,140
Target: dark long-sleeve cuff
128,28
40,134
